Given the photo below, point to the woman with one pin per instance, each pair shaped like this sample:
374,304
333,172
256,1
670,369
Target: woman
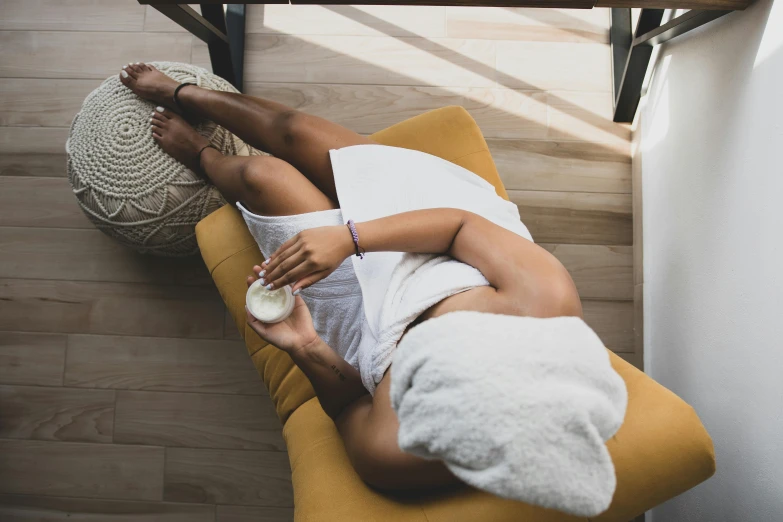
297,185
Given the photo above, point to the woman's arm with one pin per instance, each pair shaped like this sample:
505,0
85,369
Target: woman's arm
336,383
523,273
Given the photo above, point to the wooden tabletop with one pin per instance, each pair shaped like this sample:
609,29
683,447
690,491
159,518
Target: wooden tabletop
572,4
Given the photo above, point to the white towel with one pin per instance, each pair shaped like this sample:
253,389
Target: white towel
516,406
335,302
375,181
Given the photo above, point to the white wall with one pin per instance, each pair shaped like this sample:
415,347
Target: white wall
712,169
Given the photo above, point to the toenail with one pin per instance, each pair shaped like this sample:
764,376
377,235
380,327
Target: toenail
124,74
137,63
124,66
159,109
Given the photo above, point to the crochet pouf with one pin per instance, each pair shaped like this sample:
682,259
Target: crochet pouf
126,184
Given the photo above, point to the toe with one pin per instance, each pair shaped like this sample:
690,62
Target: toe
125,77
163,112
130,70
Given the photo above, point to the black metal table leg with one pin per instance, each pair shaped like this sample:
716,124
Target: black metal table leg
628,79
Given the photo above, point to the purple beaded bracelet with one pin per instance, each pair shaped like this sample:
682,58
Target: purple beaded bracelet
355,237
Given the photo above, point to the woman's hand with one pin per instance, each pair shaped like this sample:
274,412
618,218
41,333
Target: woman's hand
309,256
293,334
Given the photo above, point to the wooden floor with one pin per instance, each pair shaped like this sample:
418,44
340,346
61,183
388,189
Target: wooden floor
124,392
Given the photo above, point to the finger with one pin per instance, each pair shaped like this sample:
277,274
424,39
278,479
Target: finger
257,271
282,248
278,260
250,280
308,281
301,270
280,276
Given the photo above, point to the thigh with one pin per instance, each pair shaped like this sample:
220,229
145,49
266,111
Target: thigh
305,140
269,186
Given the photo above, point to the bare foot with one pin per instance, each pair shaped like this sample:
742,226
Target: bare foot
177,137
149,83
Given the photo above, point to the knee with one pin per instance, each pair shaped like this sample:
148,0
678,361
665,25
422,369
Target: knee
258,171
288,125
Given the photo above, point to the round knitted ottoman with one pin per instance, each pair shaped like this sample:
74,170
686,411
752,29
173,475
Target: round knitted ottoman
126,184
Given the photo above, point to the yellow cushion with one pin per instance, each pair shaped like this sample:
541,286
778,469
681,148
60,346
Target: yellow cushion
661,450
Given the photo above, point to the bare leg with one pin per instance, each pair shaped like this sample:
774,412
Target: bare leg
266,185
300,139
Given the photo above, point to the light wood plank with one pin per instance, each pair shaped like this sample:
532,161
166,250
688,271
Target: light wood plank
65,54
547,66
160,364
259,478
110,308
80,470
89,255
73,15
363,108
599,272
254,514
365,60
155,21
347,20
32,358
32,151
561,166
612,321
575,217
39,202
197,420
63,414
584,116
35,103
501,113
546,25
26,508
370,108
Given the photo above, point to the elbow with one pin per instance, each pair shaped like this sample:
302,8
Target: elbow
374,467
558,296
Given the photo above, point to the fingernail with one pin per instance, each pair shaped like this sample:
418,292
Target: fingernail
266,262
262,273
159,109
124,74
262,280
296,292
269,286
